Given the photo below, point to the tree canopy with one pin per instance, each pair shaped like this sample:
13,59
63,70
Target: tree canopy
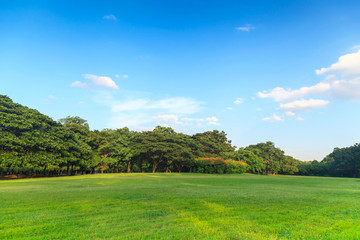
33,144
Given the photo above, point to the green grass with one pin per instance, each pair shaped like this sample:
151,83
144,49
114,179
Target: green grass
180,206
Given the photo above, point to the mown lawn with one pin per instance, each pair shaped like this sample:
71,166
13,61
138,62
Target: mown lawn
180,206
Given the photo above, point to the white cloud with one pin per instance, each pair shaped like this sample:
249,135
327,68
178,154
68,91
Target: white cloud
140,112
348,64
299,119
101,81
110,17
341,81
290,114
172,119
79,84
239,101
301,105
212,121
245,28
178,105
273,118
125,76
348,89
117,75
229,108
280,94
129,105
356,47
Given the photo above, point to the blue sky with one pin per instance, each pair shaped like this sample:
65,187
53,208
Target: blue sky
281,71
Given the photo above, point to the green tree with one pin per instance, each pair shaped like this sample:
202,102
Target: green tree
290,165
77,151
115,144
211,143
273,157
160,146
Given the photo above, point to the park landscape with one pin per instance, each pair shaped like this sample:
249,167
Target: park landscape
179,119
201,188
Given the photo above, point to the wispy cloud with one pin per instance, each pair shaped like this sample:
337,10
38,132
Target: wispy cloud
145,112
239,101
101,81
301,105
125,76
245,28
172,119
110,17
96,81
212,121
342,81
280,94
290,114
79,84
273,118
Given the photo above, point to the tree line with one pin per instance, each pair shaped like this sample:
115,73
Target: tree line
32,144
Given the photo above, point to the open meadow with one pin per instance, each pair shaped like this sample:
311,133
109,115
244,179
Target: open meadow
180,206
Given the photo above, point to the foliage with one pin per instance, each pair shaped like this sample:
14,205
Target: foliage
272,156
33,144
233,166
218,165
343,162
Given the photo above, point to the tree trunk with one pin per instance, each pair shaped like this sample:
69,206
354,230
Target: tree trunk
155,164
68,170
128,167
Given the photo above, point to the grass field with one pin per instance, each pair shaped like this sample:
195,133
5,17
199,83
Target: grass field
180,206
